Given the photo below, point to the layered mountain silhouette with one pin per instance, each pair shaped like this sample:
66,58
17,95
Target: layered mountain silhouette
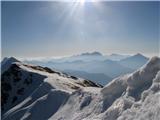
100,78
135,61
110,66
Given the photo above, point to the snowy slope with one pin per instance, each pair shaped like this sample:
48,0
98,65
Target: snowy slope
21,80
134,96
149,106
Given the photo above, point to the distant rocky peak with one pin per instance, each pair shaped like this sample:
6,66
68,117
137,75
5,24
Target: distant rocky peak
139,55
91,54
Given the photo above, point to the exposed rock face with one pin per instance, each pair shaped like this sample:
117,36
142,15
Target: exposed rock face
17,85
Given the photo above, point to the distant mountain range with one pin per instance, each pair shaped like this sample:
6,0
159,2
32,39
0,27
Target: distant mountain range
116,57
83,57
134,62
100,78
95,63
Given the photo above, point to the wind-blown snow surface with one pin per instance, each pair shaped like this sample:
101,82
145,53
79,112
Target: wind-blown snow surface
133,96
21,81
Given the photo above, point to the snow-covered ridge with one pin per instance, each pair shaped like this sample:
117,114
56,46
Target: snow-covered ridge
134,96
20,80
135,82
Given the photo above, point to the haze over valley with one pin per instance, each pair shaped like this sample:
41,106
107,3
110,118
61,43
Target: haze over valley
95,66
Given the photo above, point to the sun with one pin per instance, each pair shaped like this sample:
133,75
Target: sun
82,2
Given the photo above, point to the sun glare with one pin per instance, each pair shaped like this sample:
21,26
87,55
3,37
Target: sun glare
82,2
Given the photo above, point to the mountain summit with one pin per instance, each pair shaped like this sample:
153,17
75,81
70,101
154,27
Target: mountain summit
91,54
135,61
6,62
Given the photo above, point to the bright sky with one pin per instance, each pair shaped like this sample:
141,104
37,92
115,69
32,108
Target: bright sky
47,29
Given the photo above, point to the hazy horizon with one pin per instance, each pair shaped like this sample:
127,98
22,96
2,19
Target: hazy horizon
61,57
56,29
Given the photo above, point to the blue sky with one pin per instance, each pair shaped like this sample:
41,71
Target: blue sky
48,29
